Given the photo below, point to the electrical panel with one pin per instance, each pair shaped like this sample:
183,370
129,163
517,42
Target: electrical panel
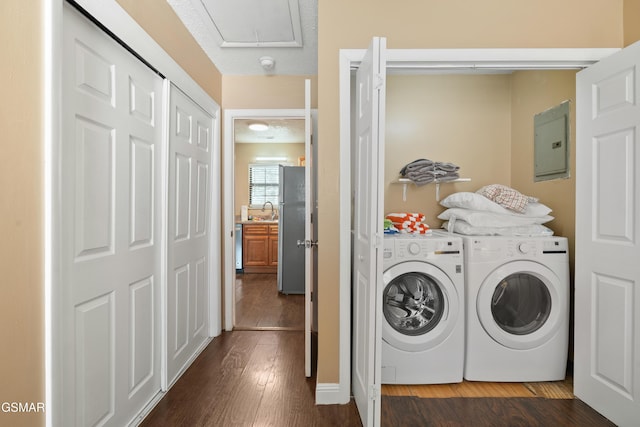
551,143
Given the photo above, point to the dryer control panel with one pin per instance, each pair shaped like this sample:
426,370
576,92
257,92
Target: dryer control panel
490,248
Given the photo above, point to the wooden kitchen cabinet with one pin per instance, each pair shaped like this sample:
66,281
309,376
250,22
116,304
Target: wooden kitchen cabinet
260,248
273,246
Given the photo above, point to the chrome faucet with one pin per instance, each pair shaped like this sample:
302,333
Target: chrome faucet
273,213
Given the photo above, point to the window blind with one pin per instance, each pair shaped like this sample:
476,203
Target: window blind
264,183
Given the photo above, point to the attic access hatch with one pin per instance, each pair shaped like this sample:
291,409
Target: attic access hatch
254,23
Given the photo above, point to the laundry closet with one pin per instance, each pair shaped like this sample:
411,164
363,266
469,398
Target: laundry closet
599,203
481,121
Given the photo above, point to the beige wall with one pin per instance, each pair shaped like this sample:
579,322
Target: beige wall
21,207
245,154
161,22
421,24
267,92
631,21
463,119
532,93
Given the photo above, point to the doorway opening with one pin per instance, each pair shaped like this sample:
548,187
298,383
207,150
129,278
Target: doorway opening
269,282
241,283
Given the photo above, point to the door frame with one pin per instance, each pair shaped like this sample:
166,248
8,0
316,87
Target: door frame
229,268
416,61
112,16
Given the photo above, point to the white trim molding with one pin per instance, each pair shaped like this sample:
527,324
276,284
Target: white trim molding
329,394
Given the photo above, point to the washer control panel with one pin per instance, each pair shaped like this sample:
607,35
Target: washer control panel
413,248
525,247
421,248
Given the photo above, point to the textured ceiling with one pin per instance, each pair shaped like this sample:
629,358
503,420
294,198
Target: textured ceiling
280,131
235,34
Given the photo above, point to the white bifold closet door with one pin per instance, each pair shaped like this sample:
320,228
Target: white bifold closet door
190,146
367,245
109,229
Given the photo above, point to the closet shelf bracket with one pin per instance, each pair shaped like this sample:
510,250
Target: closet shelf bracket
406,181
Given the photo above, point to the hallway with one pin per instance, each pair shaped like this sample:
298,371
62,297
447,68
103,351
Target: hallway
259,305
249,378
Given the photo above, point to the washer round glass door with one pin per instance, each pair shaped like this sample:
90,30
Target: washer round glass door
520,304
420,305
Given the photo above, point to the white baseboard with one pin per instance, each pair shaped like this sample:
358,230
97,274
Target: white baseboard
188,363
137,420
331,394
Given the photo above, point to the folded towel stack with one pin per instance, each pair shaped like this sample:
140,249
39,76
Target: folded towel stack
408,222
389,228
424,171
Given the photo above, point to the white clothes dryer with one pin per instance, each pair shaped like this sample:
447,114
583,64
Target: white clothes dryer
423,309
517,308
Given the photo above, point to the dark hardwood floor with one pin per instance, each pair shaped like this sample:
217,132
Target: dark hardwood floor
254,376
489,412
249,378
259,305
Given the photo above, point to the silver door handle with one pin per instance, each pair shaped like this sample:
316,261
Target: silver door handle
307,243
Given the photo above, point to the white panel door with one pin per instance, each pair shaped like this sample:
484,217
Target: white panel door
309,237
367,252
189,204
109,228
607,322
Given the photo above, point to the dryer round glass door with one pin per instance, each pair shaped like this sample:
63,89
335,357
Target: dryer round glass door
522,304
420,305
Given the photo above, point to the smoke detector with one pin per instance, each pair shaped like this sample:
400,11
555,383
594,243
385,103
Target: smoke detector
267,63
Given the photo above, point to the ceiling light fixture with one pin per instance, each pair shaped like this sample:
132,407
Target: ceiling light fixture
258,126
267,62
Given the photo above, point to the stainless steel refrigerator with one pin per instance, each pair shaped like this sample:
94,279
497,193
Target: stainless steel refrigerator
291,230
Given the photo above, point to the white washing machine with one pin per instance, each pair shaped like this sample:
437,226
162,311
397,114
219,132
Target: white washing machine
517,308
423,309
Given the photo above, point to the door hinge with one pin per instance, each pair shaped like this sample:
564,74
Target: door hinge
306,243
379,82
374,392
378,241
311,296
